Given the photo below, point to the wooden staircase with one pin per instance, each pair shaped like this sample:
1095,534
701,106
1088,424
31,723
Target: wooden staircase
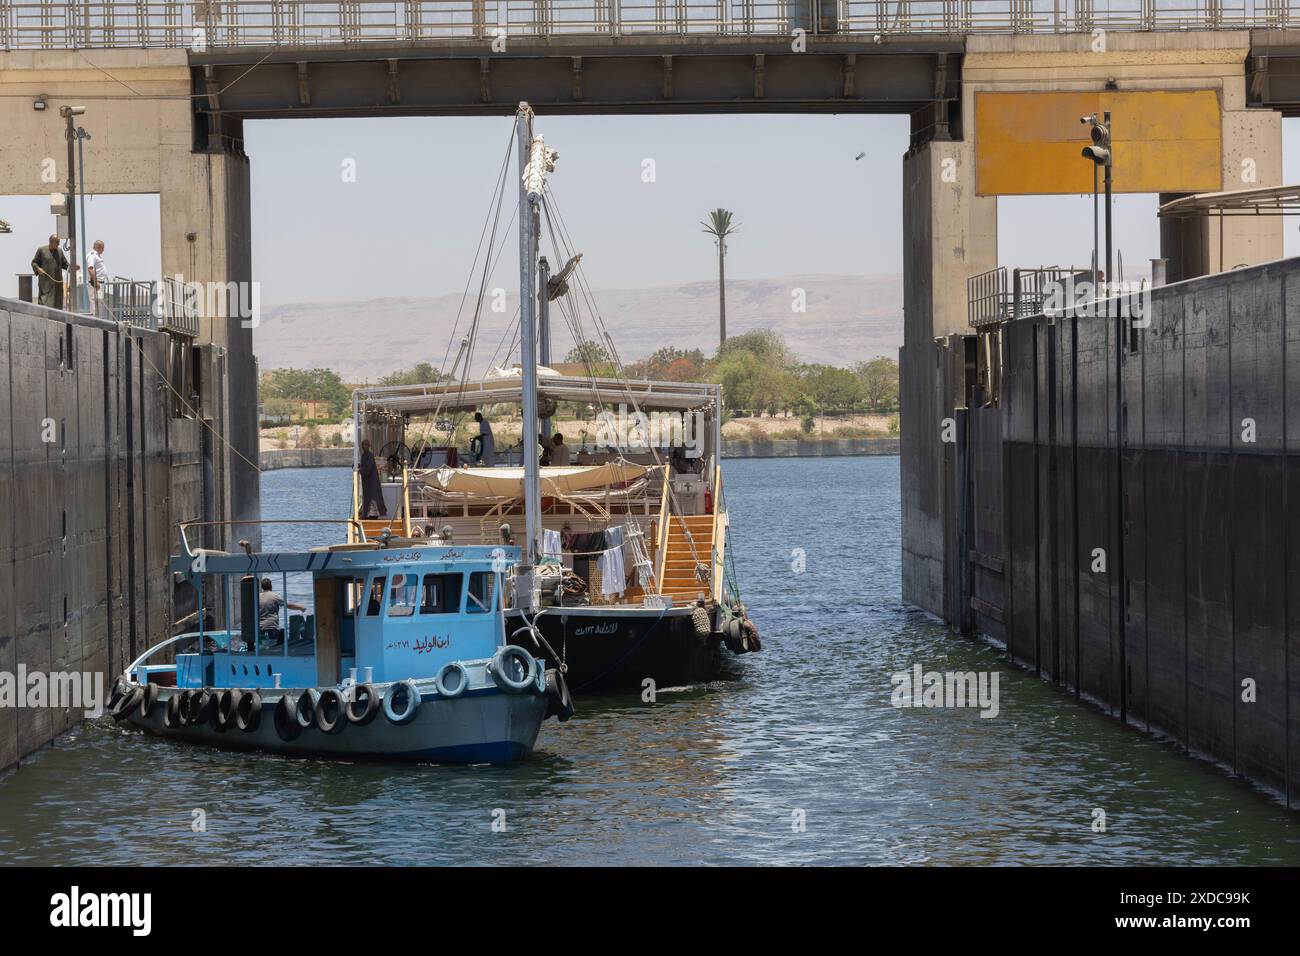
375,526
679,580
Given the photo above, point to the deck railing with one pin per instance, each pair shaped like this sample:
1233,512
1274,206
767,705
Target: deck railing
166,306
201,24
997,295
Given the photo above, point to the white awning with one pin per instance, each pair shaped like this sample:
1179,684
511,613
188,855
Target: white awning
509,482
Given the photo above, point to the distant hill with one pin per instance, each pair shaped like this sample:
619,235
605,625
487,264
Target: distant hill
847,318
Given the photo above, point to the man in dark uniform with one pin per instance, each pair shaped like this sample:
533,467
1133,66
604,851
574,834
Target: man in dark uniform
48,265
372,489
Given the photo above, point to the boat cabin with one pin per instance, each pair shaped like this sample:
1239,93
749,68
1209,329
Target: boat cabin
642,476
374,611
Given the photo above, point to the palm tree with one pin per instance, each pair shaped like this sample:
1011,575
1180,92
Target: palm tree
719,226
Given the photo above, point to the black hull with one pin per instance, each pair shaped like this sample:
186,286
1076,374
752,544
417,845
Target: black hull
618,649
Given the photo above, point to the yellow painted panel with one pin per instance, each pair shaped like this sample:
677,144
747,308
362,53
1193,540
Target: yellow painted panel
1030,143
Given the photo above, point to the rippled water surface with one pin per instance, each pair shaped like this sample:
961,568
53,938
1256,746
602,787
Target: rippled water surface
714,774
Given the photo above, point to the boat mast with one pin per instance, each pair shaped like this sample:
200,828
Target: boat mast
544,325
535,160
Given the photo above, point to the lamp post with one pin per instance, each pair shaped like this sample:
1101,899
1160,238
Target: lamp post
1099,152
68,112
82,136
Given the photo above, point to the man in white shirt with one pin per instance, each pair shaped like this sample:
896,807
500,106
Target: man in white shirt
96,275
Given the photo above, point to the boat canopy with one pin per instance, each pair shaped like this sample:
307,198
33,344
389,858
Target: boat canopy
509,482
450,397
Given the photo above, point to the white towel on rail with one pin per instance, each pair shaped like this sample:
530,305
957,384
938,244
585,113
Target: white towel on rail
551,544
612,573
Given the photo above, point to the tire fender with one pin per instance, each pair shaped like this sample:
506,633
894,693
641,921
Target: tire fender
248,711
172,712
505,666
286,718
364,705
402,713
127,702
452,680
304,711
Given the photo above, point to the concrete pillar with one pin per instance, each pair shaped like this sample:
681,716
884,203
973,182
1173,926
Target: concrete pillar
1252,159
949,234
204,207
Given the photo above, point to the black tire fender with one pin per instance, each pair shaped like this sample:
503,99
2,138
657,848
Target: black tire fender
304,710
331,711
223,716
172,712
127,703
286,718
202,704
364,705
147,700
248,711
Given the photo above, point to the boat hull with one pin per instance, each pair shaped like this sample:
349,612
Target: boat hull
488,726
618,648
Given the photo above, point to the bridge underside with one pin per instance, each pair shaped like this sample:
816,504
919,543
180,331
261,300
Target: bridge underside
921,78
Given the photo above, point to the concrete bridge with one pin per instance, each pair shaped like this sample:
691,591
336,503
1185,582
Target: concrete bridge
994,91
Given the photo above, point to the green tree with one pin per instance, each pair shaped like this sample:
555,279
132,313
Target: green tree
589,353
879,379
307,385
671,364
422,374
833,389
765,344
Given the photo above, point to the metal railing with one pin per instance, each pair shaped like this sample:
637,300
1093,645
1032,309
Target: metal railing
203,24
166,306
998,295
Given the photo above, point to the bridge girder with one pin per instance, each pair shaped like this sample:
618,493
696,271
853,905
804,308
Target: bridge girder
921,77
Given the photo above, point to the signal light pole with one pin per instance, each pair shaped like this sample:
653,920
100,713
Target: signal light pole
1099,152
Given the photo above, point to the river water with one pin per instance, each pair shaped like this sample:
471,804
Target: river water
799,758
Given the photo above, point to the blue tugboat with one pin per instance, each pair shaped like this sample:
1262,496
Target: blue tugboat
402,656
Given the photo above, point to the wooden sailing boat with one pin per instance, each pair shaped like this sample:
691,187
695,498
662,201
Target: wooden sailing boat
622,575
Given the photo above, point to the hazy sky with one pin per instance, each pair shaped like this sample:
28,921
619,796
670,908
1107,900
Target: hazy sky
409,223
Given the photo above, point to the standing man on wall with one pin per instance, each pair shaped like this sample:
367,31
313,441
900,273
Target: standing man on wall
96,276
48,265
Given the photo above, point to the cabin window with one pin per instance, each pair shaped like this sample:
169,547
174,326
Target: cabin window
353,588
376,598
482,592
402,597
441,594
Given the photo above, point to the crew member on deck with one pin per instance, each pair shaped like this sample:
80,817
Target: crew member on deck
268,609
372,490
487,450
559,451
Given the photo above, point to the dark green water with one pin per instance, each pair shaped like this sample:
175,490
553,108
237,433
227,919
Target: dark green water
710,774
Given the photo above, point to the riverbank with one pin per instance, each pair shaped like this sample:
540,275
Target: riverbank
277,458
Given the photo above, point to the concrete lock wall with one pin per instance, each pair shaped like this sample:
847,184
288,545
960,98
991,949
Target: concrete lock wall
1207,649
139,112
97,465
950,234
